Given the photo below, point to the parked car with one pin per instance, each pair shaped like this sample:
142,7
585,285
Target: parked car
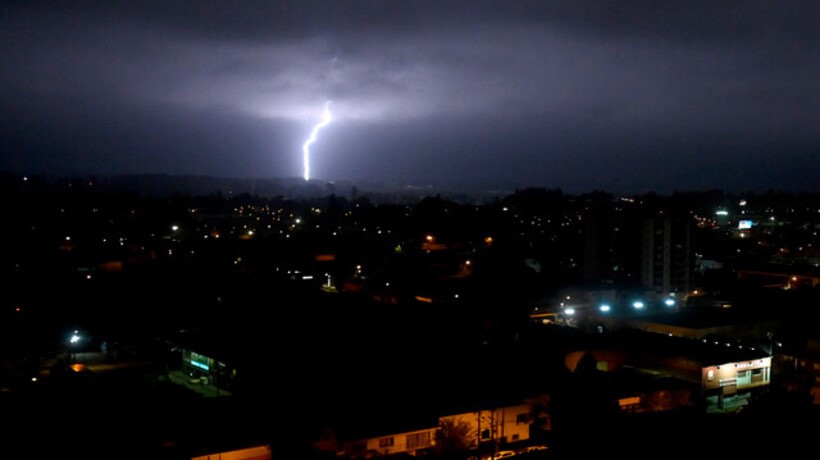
533,452
500,454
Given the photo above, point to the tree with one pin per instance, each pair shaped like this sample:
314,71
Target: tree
583,409
454,438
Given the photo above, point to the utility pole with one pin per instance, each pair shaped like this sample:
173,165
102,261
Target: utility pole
478,434
494,433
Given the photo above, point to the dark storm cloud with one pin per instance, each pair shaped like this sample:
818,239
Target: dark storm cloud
577,94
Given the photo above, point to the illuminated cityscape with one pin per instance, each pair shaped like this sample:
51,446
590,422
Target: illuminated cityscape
343,326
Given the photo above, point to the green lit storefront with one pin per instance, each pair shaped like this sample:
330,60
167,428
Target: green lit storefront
206,370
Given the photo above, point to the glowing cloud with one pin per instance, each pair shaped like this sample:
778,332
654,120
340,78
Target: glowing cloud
326,118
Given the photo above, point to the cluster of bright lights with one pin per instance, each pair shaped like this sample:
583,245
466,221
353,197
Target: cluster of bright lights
637,305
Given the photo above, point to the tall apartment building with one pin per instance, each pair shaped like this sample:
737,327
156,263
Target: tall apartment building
611,244
667,254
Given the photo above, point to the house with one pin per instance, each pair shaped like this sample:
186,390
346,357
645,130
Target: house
480,430
725,374
249,453
410,442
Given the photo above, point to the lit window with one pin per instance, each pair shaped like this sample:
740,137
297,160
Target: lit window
386,442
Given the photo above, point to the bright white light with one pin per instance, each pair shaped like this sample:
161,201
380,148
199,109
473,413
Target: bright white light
638,305
604,308
569,311
75,338
669,302
175,227
326,118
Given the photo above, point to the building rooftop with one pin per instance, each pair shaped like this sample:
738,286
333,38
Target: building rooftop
638,344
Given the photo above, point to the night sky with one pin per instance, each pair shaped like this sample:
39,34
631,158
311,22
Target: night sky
622,96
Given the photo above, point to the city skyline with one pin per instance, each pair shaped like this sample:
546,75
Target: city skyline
185,324
627,97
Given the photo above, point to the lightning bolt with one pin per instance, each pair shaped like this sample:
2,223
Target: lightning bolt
326,118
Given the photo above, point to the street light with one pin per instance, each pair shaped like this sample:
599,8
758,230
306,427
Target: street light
75,337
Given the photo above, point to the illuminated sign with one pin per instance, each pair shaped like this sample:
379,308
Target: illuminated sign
200,361
764,362
742,375
744,224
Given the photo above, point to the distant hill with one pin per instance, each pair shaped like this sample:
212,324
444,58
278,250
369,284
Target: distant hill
159,185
